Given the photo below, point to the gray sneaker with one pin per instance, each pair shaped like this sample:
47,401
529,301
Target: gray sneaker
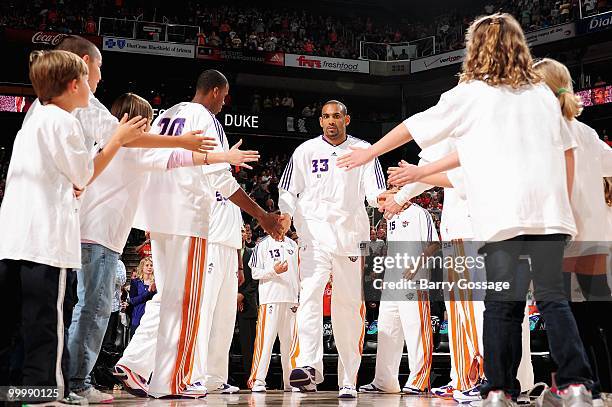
74,399
576,395
497,398
95,396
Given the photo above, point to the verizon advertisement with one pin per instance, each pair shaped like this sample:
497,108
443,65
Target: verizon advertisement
327,64
437,61
534,38
552,34
169,49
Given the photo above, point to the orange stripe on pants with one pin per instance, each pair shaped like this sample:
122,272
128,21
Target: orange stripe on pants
422,380
259,341
190,317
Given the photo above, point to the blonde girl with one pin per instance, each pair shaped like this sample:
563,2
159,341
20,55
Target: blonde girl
586,257
506,124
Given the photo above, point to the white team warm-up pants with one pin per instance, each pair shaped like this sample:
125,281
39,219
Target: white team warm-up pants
221,283
348,311
273,319
464,310
217,316
139,355
399,321
181,265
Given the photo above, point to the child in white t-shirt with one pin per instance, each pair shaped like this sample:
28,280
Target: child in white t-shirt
586,258
275,265
507,126
39,218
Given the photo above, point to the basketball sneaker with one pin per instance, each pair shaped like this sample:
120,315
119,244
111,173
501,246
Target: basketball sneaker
258,387
370,388
444,392
225,389
303,378
413,391
195,390
132,382
467,396
347,392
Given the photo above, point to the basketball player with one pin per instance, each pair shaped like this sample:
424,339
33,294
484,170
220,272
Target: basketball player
405,314
327,207
464,309
275,265
178,238
218,314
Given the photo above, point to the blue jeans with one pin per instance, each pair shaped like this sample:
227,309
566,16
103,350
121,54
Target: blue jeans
95,290
504,312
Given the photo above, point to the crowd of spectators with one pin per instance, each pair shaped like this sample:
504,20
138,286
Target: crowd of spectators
303,30
310,105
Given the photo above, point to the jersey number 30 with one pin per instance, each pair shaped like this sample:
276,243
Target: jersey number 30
175,129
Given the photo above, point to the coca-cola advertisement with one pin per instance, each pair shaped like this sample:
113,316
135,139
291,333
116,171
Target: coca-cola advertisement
41,39
48,38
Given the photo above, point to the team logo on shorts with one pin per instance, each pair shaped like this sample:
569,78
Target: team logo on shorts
290,251
353,258
405,224
210,268
270,308
294,309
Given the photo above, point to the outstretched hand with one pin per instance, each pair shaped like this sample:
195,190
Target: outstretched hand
194,141
130,129
356,158
404,174
235,156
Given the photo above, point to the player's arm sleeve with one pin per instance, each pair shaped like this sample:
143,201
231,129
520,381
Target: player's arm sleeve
212,129
257,264
67,148
152,159
97,121
428,227
409,191
373,181
436,123
291,185
224,182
